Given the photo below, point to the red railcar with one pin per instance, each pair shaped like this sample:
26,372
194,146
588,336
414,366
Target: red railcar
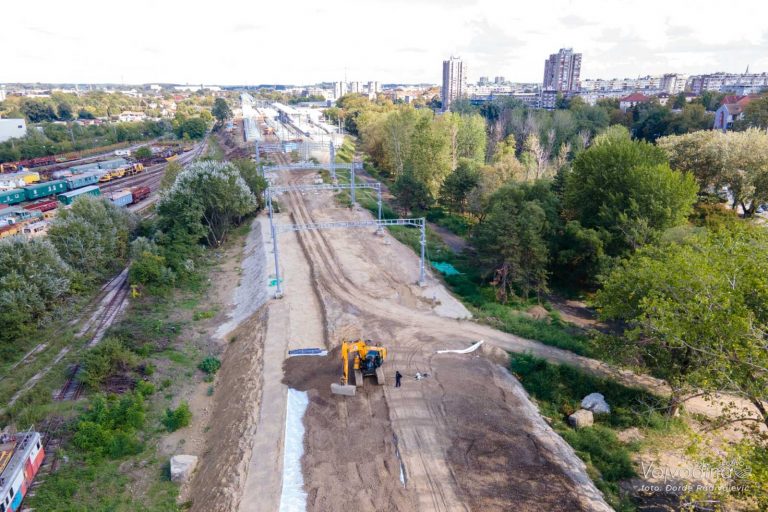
42,206
139,193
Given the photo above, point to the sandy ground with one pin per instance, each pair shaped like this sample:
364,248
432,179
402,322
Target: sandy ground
438,427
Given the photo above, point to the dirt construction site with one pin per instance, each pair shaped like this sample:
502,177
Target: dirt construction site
463,437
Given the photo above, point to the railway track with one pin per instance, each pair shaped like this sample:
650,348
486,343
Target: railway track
73,387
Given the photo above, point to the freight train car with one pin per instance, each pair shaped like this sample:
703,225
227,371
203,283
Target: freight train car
21,455
45,189
82,180
139,194
42,206
14,196
122,198
68,197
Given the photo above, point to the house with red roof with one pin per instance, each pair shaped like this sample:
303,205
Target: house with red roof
633,99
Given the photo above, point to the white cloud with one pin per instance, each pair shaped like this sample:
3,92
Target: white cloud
247,42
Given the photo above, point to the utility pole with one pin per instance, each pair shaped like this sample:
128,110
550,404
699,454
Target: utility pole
279,290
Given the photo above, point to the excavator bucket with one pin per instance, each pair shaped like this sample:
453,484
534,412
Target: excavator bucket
343,389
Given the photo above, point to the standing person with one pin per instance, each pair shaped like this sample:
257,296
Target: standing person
398,376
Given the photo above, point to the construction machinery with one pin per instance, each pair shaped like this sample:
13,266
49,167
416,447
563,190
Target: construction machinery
367,360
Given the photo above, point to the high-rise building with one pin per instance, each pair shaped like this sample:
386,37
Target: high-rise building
562,70
454,81
374,88
355,87
673,83
339,89
499,80
483,80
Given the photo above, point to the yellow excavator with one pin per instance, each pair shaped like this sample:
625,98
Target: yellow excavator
367,360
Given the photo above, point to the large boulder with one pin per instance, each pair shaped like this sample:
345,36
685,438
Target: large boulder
182,467
581,418
596,403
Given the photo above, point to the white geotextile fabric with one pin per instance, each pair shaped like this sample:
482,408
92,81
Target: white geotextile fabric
293,498
463,351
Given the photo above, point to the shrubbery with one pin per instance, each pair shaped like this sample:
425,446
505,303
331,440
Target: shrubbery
106,358
32,279
210,365
92,236
177,418
109,427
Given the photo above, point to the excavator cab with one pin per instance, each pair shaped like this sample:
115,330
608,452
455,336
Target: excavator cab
367,361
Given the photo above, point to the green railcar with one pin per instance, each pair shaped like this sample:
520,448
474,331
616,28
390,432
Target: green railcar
82,180
12,196
68,198
45,189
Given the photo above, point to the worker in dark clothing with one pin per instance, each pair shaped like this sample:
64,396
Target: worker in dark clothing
398,376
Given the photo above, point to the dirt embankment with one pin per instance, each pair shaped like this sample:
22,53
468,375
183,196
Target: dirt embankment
222,468
350,460
494,454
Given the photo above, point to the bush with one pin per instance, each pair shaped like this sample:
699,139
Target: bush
151,269
108,428
210,365
107,357
178,418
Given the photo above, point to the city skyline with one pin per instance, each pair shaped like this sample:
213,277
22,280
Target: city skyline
245,44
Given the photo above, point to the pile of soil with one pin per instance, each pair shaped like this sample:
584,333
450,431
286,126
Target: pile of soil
349,462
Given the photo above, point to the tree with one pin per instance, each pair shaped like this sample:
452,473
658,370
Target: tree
85,114
37,112
455,190
214,194
250,173
221,110
756,113
626,190
64,111
143,152
429,158
736,160
169,176
511,239
193,128
412,194
92,236
32,279
698,311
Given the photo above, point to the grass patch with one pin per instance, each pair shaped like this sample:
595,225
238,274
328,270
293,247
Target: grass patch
203,315
458,224
559,389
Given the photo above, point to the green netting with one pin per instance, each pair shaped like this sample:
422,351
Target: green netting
445,268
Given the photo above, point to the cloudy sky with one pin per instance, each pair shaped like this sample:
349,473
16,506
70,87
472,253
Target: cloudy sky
302,41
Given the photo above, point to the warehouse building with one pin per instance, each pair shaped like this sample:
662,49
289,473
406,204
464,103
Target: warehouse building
12,128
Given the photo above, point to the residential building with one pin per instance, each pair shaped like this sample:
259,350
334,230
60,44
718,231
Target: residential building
728,82
355,88
498,80
339,89
12,128
730,112
562,71
483,81
548,99
454,81
374,87
128,116
673,83
2,93
633,99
